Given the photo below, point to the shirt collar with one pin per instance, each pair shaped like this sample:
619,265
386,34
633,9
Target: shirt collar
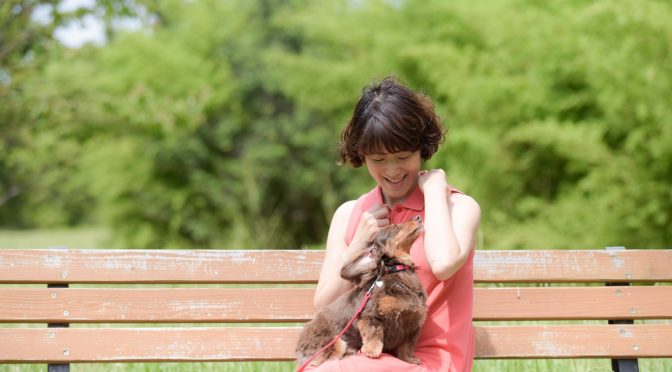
415,201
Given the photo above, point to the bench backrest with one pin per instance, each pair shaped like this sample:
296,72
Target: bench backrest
151,305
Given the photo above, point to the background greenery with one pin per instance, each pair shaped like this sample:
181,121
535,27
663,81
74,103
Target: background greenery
216,124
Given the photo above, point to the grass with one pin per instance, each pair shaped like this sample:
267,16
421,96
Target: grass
96,238
577,365
80,238
163,367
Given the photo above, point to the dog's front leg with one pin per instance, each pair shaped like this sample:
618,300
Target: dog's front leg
372,337
406,351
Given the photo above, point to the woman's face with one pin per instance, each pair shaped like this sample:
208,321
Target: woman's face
396,173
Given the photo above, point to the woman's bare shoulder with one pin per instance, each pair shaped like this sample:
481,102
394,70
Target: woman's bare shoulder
346,207
343,212
465,204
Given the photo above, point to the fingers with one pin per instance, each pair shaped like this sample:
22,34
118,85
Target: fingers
432,172
372,221
434,178
380,211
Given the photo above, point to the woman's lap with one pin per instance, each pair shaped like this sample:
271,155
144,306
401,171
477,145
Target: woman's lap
386,362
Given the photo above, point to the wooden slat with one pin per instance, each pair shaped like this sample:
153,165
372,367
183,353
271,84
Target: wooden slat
573,266
64,345
221,266
172,305
576,341
159,266
557,303
196,305
238,344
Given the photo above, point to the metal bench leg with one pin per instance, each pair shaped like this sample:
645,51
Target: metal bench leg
622,365
58,367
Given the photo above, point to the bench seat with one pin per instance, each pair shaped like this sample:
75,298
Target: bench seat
65,306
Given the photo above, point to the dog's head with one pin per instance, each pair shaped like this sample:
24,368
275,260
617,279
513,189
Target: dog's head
391,244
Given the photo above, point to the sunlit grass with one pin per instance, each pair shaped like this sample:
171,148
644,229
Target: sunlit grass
79,238
577,365
525,365
186,367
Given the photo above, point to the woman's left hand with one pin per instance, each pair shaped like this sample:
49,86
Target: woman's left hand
433,178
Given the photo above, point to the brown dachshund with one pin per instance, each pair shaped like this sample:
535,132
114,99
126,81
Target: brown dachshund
392,318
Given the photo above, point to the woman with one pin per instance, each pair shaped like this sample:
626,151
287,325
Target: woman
392,130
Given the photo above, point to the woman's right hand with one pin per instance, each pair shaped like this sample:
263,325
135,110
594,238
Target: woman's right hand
374,219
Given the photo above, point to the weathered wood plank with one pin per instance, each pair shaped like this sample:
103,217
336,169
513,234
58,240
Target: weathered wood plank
268,266
575,341
65,345
159,266
171,305
565,303
238,344
196,305
573,266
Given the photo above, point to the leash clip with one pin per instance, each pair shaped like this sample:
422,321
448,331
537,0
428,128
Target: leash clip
374,284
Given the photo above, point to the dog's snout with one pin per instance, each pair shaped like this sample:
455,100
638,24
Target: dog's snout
416,219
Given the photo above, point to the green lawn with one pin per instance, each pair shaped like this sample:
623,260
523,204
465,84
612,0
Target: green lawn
577,365
89,237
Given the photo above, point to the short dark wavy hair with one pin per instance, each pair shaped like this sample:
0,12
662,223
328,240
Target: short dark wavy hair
390,117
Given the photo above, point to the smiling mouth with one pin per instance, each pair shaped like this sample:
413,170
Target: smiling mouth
396,180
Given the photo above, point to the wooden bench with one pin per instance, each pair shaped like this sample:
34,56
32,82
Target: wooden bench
44,292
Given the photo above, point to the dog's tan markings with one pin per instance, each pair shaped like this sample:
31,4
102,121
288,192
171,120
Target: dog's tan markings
403,241
388,304
338,350
398,241
340,347
372,338
403,258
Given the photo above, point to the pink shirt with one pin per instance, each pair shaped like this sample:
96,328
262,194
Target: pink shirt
446,341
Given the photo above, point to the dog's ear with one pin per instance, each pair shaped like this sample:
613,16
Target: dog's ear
367,264
354,269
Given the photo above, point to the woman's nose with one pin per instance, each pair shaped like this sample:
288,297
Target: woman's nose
393,170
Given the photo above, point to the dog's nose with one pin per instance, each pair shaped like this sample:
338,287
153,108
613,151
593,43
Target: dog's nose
416,219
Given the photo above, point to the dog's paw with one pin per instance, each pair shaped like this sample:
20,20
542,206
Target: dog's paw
372,349
406,354
412,360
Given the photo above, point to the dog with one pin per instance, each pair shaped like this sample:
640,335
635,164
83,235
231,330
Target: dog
391,320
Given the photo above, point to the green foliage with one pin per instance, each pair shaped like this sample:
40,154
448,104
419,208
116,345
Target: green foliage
36,187
217,124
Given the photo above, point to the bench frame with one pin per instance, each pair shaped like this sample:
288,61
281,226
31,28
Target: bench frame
510,286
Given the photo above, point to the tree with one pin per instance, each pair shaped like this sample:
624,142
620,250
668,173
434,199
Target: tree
217,124
557,119
31,192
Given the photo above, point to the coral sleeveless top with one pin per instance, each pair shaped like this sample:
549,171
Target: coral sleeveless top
446,341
